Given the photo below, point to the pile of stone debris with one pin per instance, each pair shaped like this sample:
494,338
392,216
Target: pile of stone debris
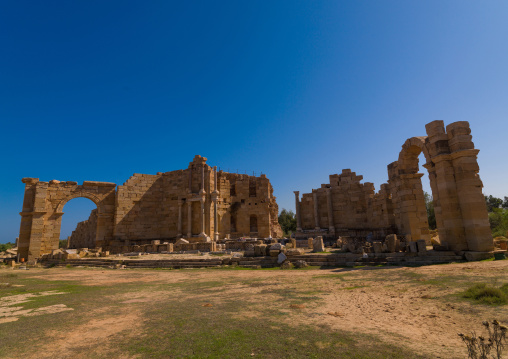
75,253
9,255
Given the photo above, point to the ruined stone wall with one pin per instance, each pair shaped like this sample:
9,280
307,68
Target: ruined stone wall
172,204
346,206
84,234
43,210
246,206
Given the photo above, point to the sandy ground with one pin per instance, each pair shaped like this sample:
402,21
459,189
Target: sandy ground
422,317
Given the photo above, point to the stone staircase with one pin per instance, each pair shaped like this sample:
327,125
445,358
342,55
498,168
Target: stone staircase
111,263
312,259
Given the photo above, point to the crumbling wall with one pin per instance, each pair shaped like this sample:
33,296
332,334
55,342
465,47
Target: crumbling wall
243,198
85,233
345,206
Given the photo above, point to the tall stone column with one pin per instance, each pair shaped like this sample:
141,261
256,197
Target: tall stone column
180,204
331,227
452,230
189,219
316,217
202,192
202,234
297,208
471,200
214,198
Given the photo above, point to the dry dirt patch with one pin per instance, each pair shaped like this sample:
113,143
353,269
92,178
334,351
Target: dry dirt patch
398,305
10,311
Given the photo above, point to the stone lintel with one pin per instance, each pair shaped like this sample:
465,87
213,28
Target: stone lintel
98,184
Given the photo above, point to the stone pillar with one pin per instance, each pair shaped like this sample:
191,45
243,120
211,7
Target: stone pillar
452,230
471,200
180,204
297,208
331,227
202,192
316,217
202,234
214,198
189,219
202,180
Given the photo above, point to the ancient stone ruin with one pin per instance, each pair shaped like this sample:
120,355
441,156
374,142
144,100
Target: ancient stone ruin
199,204
346,207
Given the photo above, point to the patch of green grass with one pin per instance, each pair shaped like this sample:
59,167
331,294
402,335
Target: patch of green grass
354,287
342,277
485,294
192,331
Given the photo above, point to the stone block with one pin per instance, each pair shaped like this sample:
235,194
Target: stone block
391,243
250,253
317,244
413,248
478,256
377,246
421,246
301,264
274,253
281,258
260,250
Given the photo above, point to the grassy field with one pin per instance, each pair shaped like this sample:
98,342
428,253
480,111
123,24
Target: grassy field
333,313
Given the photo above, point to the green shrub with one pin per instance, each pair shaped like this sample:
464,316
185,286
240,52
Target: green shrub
498,219
488,295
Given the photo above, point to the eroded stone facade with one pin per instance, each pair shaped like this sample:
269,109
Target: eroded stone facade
346,207
198,203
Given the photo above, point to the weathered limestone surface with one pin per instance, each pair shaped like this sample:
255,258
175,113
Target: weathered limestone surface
346,207
85,233
198,203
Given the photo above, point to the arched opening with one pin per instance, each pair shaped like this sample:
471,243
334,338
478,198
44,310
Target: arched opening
408,193
78,225
253,223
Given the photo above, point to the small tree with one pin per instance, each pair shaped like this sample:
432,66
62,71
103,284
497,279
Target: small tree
493,202
287,221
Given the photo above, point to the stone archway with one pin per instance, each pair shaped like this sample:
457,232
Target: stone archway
461,213
42,213
407,192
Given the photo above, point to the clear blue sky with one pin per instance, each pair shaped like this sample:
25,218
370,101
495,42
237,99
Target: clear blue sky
99,90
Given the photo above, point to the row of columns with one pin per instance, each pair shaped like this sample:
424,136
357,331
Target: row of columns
202,199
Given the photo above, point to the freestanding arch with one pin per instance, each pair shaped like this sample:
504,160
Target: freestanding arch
42,213
461,213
